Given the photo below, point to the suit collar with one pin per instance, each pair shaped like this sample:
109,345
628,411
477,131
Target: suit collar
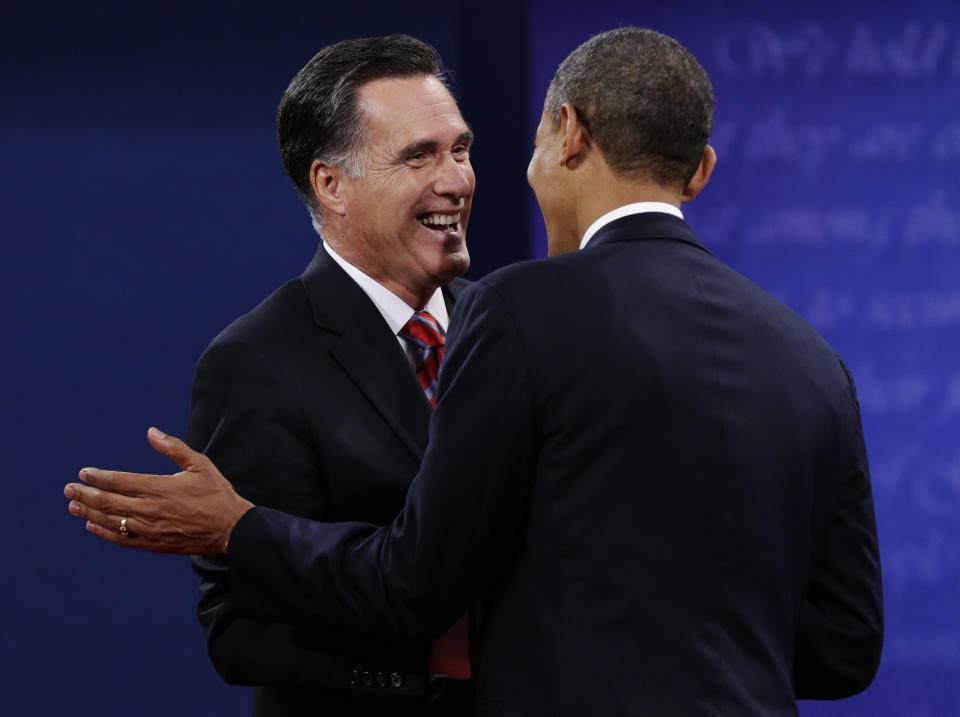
367,350
332,293
647,225
625,211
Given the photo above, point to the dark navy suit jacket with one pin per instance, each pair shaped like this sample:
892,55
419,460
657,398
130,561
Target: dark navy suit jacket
653,474
310,406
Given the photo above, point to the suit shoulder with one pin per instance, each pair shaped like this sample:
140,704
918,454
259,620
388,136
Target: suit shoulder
269,320
527,276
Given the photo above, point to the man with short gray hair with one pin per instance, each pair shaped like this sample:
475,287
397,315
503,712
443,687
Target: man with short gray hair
311,400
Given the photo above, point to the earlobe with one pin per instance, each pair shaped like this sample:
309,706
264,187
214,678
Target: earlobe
699,180
325,180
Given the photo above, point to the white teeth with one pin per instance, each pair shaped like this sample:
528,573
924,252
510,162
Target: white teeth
440,219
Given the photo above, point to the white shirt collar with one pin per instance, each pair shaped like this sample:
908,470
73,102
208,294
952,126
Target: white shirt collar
395,311
627,210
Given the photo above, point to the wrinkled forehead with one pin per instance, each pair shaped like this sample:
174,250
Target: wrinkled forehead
397,108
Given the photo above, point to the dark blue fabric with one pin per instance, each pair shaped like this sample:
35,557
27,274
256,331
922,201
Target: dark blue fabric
653,473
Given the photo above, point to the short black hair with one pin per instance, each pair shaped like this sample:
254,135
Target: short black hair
319,117
644,99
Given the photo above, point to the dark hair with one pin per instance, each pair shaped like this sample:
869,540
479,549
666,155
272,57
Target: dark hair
319,117
643,97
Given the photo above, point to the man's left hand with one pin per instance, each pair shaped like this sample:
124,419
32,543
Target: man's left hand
189,513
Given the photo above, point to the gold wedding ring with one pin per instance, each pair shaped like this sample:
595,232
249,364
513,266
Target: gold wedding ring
123,528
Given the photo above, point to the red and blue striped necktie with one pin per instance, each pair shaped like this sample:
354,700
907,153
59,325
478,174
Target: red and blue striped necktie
423,331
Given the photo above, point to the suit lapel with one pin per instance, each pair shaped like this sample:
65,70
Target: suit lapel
372,356
367,350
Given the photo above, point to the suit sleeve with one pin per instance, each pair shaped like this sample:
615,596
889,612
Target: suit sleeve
245,418
463,520
840,631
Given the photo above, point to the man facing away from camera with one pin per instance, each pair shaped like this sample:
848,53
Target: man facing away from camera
650,471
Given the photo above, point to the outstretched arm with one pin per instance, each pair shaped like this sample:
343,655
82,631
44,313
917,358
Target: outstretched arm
461,526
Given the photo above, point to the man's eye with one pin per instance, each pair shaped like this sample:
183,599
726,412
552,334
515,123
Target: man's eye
461,149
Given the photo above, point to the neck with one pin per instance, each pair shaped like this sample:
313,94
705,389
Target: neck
412,294
601,200
415,299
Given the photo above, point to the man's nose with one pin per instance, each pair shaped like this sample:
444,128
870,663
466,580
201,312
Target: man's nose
454,179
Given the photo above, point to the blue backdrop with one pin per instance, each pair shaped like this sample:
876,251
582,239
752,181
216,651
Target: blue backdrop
145,206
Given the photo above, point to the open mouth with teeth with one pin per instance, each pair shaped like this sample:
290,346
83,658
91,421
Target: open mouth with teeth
441,222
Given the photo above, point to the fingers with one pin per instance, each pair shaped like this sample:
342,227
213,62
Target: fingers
110,535
111,527
134,484
109,521
131,540
83,496
175,449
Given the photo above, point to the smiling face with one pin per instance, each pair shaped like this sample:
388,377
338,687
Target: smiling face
404,221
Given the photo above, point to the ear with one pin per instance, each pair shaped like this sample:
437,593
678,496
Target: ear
325,180
576,140
699,180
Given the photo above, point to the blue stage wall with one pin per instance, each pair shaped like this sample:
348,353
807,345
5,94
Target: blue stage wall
144,206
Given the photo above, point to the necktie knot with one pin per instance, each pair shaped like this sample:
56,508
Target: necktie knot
423,331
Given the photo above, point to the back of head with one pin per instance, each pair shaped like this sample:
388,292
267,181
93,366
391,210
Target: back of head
319,117
644,98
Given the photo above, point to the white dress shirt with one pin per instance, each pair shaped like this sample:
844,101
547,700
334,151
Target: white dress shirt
395,311
625,211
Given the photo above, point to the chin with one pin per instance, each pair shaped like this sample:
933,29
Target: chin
454,265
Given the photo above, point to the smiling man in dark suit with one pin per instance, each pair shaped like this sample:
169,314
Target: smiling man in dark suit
311,401
650,471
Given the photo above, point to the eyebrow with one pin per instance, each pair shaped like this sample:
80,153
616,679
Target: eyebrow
431,145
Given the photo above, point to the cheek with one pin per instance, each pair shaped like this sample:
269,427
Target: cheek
535,174
537,181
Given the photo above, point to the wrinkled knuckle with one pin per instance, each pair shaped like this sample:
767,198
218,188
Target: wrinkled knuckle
151,529
151,510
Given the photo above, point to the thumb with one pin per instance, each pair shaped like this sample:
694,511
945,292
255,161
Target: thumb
174,449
